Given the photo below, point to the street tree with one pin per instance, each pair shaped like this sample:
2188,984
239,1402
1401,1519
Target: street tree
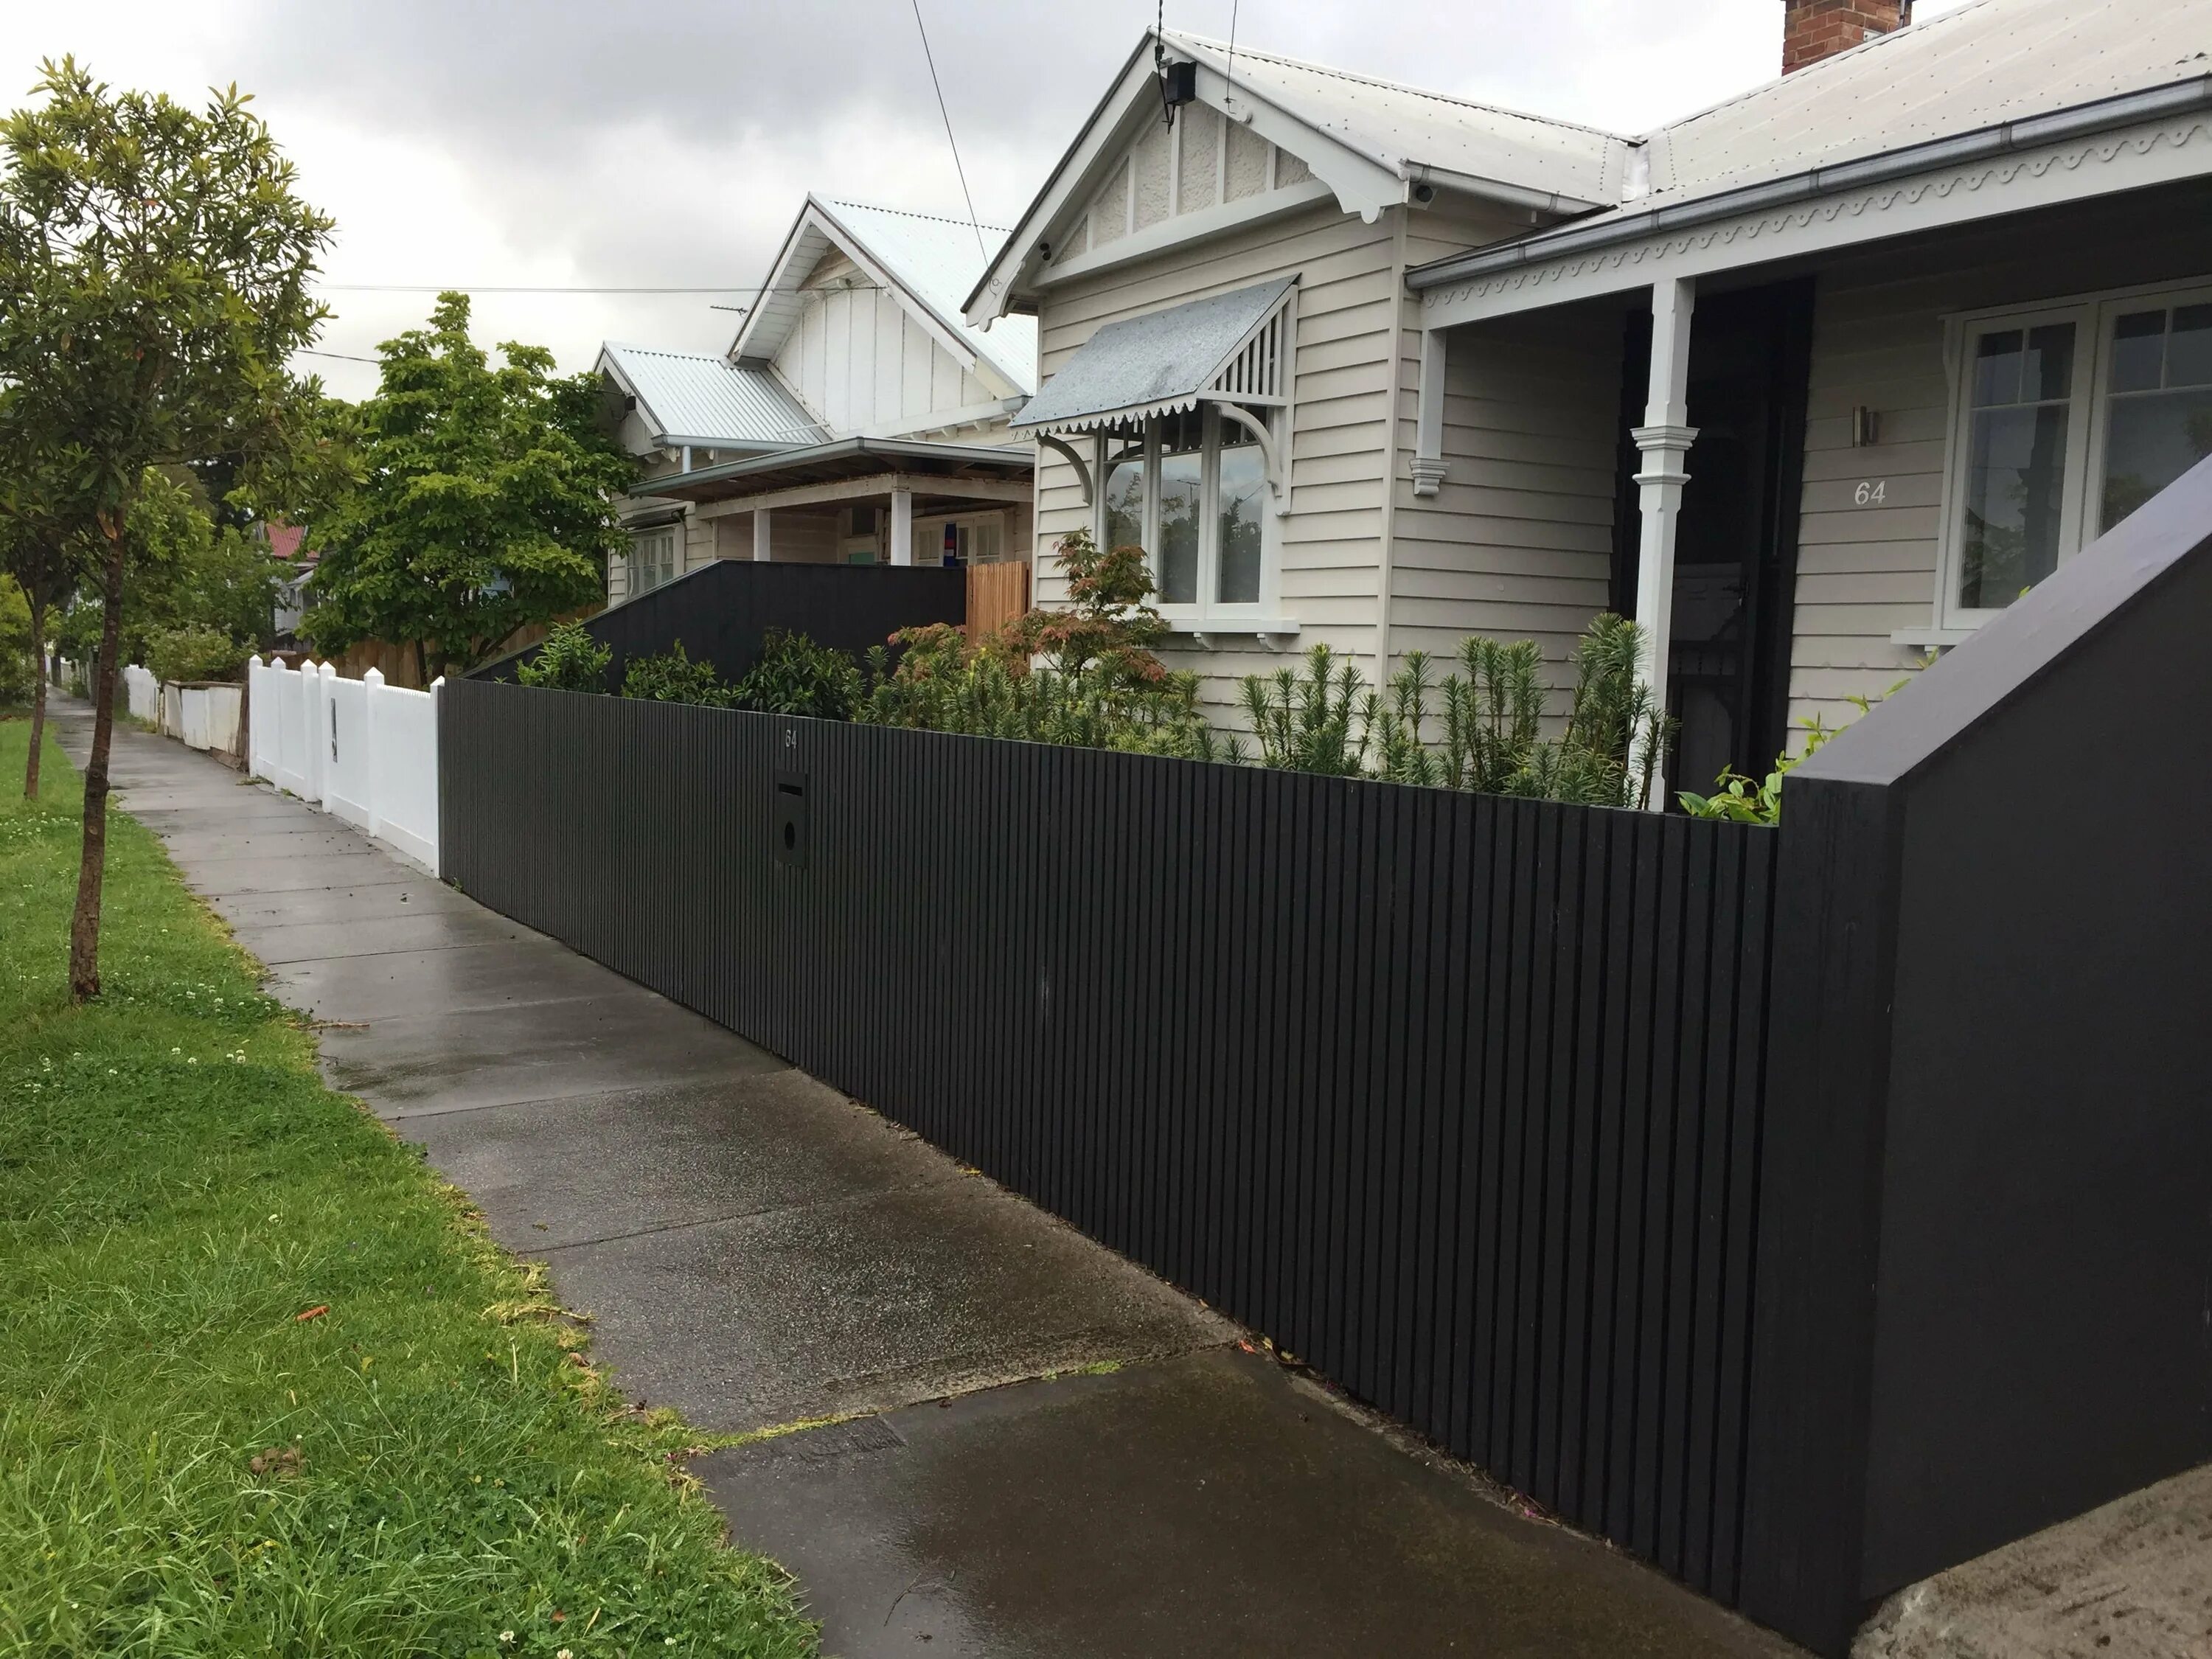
155,272
42,552
485,501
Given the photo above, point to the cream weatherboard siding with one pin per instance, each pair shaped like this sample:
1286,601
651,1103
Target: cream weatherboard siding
1332,541
1864,572
862,363
1517,543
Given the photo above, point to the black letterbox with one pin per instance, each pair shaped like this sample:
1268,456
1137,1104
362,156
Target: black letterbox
789,819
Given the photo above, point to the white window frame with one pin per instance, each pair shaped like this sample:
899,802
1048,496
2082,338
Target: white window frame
1206,614
640,562
2089,412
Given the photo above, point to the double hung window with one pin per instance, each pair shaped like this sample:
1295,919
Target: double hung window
2067,419
1191,489
651,559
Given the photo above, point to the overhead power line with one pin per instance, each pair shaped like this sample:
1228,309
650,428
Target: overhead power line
510,288
929,57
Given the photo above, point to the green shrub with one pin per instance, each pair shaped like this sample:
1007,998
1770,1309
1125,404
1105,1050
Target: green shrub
193,652
1082,675
672,677
1488,735
570,659
795,676
1746,800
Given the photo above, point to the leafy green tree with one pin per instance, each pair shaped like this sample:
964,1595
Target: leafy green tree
182,571
486,501
41,559
155,263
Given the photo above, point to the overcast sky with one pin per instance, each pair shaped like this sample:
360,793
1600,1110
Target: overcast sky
581,142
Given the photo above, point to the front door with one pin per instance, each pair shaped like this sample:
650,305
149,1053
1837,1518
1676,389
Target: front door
1735,548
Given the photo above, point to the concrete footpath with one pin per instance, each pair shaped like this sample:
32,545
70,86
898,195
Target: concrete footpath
1049,1453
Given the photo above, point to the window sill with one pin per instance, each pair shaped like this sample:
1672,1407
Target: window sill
1931,639
1274,632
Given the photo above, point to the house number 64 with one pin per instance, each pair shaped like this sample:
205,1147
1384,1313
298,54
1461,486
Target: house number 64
1871,492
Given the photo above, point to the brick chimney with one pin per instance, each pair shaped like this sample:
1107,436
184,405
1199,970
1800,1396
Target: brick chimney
1814,29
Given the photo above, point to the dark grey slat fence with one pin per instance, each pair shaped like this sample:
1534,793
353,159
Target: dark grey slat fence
1457,1098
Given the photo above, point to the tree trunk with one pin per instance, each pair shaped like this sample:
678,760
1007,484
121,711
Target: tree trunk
37,695
91,871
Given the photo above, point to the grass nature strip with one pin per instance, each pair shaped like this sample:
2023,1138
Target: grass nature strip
192,1460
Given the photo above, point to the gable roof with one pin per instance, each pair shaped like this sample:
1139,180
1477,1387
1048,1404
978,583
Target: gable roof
1416,134
1971,71
929,262
1993,76
688,397
1987,62
1370,141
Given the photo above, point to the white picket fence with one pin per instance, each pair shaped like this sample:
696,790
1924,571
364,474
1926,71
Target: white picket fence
361,750
142,693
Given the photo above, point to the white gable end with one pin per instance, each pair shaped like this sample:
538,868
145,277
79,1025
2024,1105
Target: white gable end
864,363
1207,160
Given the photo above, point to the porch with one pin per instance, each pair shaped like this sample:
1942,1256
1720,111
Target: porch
1806,450
853,502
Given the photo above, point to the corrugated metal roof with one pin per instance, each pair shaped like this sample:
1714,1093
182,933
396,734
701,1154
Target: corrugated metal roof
1151,364
938,260
1985,64
693,399
1402,127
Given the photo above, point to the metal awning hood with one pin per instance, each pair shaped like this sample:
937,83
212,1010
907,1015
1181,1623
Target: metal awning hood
1155,364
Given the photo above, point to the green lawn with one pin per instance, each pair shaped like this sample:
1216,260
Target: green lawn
189,1464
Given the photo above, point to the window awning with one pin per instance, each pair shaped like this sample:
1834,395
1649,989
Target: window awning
1227,346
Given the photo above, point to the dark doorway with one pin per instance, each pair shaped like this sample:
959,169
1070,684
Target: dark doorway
1735,548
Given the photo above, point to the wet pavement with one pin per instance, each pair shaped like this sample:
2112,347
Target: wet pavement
1045,1450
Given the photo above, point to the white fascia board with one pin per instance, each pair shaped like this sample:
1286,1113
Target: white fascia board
818,215
1360,183
1067,189
609,367
1365,184
1192,226
785,256
2024,181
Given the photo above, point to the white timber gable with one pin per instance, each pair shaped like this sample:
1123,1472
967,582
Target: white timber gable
859,320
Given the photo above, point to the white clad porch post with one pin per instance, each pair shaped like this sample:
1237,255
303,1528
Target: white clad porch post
902,526
760,534
1664,440
1428,464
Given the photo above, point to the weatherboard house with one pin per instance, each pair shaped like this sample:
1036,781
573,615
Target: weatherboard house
857,419
1810,382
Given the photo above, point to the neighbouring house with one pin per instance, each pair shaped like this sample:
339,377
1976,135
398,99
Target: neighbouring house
857,419
1812,382
288,545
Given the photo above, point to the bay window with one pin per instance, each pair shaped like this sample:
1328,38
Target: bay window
1191,489
2067,419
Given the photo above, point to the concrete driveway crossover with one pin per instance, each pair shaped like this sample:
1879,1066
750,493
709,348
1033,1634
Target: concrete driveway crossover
1034,1448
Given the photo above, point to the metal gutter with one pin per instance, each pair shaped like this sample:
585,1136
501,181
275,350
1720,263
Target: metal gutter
1982,144
889,448
1497,189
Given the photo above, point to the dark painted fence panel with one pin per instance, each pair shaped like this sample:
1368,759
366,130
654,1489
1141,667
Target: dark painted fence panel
1457,1098
722,612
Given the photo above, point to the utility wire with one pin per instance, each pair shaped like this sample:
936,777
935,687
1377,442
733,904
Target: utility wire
479,288
344,357
1229,74
930,58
